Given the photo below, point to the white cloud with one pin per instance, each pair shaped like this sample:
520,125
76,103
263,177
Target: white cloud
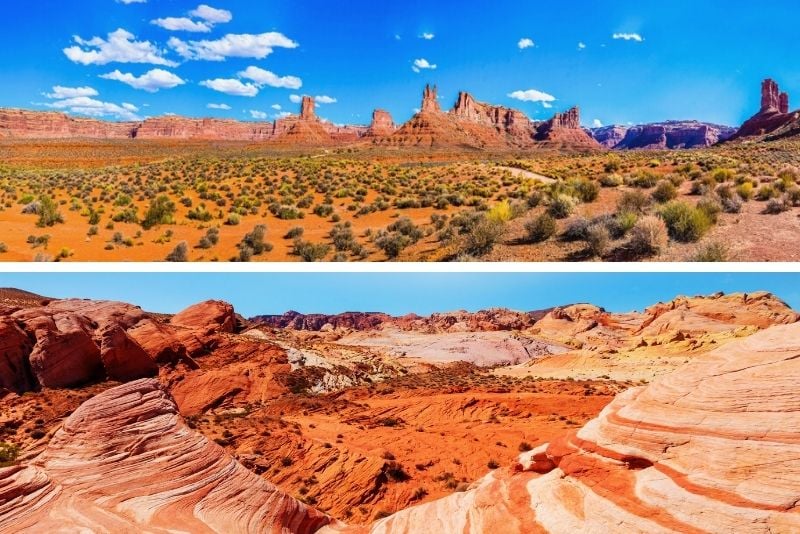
277,107
532,95
83,105
427,36
422,64
218,106
282,114
581,45
212,15
231,87
151,81
232,45
120,47
265,77
183,24
525,43
126,2
628,37
597,123
60,92
325,99
260,115
547,105
296,99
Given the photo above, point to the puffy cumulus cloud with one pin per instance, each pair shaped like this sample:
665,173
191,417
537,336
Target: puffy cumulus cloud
226,107
277,107
427,36
581,46
182,24
525,42
151,81
628,37
422,64
260,115
208,16
60,92
232,45
91,107
532,95
325,99
212,15
231,86
295,99
119,47
265,77
597,123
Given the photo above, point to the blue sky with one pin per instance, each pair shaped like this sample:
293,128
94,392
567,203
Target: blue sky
681,59
396,293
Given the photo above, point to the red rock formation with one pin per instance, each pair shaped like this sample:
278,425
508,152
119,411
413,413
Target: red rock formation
430,100
564,131
711,447
23,124
774,117
382,124
204,129
307,108
662,136
15,372
210,317
125,461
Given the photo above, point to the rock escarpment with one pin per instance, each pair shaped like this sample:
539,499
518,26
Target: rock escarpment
712,447
382,124
662,136
125,461
67,343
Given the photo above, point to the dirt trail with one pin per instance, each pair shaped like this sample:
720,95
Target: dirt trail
528,174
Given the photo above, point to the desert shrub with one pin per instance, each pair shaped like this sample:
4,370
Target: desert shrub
233,219
613,163
711,253
633,202
294,233
392,243
664,192
766,192
323,210
622,223
745,191
161,211
611,180
180,253
731,204
540,229
8,454
585,190
48,212
210,239
482,238
643,179
253,242
789,175
343,237
577,229
406,227
3,248
793,195
500,212
776,206
310,252
561,206
684,222
711,207
723,175
597,239
128,215
648,237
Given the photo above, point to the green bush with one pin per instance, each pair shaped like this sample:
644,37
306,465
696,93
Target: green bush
482,238
561,206
541,228
48,212
665,191
310,252
8,454
648,237
180,253
685,223
161,211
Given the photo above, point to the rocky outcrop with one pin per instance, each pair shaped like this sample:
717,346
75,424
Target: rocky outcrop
712,447
774,118
67,343
125,461
24,124
308,110
204,129
430,100
564,131
668,135
382,124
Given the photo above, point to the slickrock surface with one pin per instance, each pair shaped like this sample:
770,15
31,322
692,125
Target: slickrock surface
712,447
662,136
126,462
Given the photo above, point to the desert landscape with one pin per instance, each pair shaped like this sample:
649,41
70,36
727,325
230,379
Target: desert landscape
477,182
571,418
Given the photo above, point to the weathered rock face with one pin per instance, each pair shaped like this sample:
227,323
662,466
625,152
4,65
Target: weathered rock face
308,108
430,100
662,136
382,124
127,462
774,117
684,454
204,129
66,343
23,124
564,131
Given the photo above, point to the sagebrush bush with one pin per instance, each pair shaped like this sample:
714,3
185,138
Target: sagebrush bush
665,191
648,237
561,206
685,223
540,229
